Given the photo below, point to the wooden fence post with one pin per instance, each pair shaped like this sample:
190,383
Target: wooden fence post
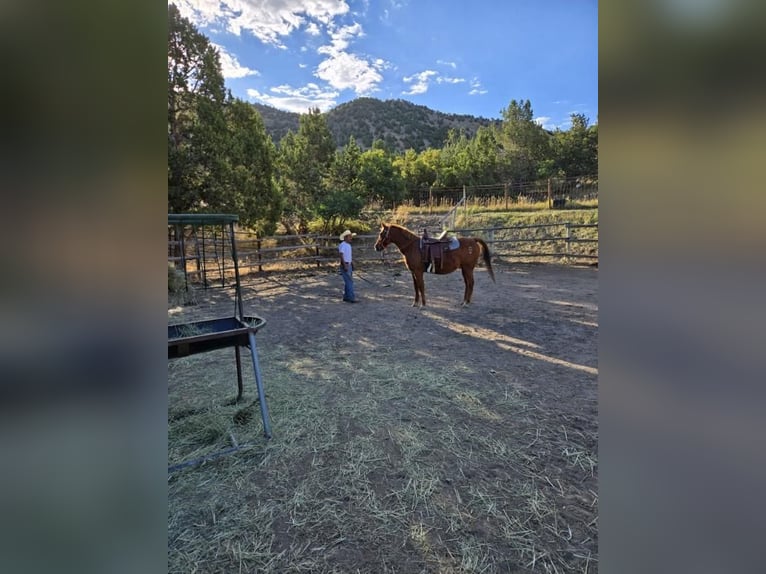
505,195
430,199
258,245
550,197
568,236
465,208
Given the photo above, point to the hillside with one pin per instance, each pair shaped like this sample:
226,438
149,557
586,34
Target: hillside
400,124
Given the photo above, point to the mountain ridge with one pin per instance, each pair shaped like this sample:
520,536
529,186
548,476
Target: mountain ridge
400,124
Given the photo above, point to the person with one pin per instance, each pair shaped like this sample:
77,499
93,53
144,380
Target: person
346,265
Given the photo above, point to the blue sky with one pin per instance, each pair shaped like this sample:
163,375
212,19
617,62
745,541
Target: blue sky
454,56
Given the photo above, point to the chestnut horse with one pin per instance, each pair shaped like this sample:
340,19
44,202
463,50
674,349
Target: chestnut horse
464,258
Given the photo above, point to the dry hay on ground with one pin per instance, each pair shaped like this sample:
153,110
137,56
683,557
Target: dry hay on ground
446,439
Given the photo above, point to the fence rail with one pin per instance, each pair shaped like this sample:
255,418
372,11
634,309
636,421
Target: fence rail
569,242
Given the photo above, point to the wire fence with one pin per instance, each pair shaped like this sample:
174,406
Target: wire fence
557,192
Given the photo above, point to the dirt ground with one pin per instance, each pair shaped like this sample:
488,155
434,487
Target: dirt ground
436,439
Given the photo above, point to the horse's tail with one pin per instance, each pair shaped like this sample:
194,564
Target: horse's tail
486,255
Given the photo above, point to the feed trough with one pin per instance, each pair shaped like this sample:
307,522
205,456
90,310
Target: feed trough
236,331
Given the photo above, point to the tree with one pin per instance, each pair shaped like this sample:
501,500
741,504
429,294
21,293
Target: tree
380,180
576,150
455,169
195,113
220,158
344,170
251,157
304,163
337,207
415,170
484,157
525,143
345,198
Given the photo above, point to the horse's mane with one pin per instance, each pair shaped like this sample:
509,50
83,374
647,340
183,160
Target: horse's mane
402,227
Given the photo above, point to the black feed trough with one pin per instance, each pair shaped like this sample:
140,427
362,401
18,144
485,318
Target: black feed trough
188,236
202,336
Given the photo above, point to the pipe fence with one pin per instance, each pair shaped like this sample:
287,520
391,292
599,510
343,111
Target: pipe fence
566,242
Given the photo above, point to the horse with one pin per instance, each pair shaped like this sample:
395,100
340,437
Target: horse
465,257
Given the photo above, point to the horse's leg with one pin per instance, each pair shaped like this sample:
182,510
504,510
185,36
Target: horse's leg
422,280
468,280
417,289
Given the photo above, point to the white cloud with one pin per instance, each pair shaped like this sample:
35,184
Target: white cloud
340,38
297,100
547,123
448,80
268,20
419,82
230,66
272,20
476,88
452,65
345,71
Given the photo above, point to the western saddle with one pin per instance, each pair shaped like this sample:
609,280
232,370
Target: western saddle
432,250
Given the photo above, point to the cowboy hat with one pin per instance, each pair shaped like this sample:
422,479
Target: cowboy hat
347,232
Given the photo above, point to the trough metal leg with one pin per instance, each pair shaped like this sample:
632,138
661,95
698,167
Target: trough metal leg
239,373
259,384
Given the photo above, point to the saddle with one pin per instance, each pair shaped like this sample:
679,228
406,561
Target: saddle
434,249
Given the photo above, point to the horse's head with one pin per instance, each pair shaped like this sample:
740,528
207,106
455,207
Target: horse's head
383,237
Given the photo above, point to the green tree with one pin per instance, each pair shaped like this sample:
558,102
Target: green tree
195,114
345,198
415,170
344,170
220,158
576,150
304,163
455,162
337,207
380,179
484,157
251,158
526,145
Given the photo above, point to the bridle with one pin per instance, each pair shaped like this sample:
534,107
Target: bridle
385,241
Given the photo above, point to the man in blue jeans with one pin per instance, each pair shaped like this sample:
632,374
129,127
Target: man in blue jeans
346,266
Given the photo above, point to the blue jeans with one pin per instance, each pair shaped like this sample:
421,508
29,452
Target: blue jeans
348,284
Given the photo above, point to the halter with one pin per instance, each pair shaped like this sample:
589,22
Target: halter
385,242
